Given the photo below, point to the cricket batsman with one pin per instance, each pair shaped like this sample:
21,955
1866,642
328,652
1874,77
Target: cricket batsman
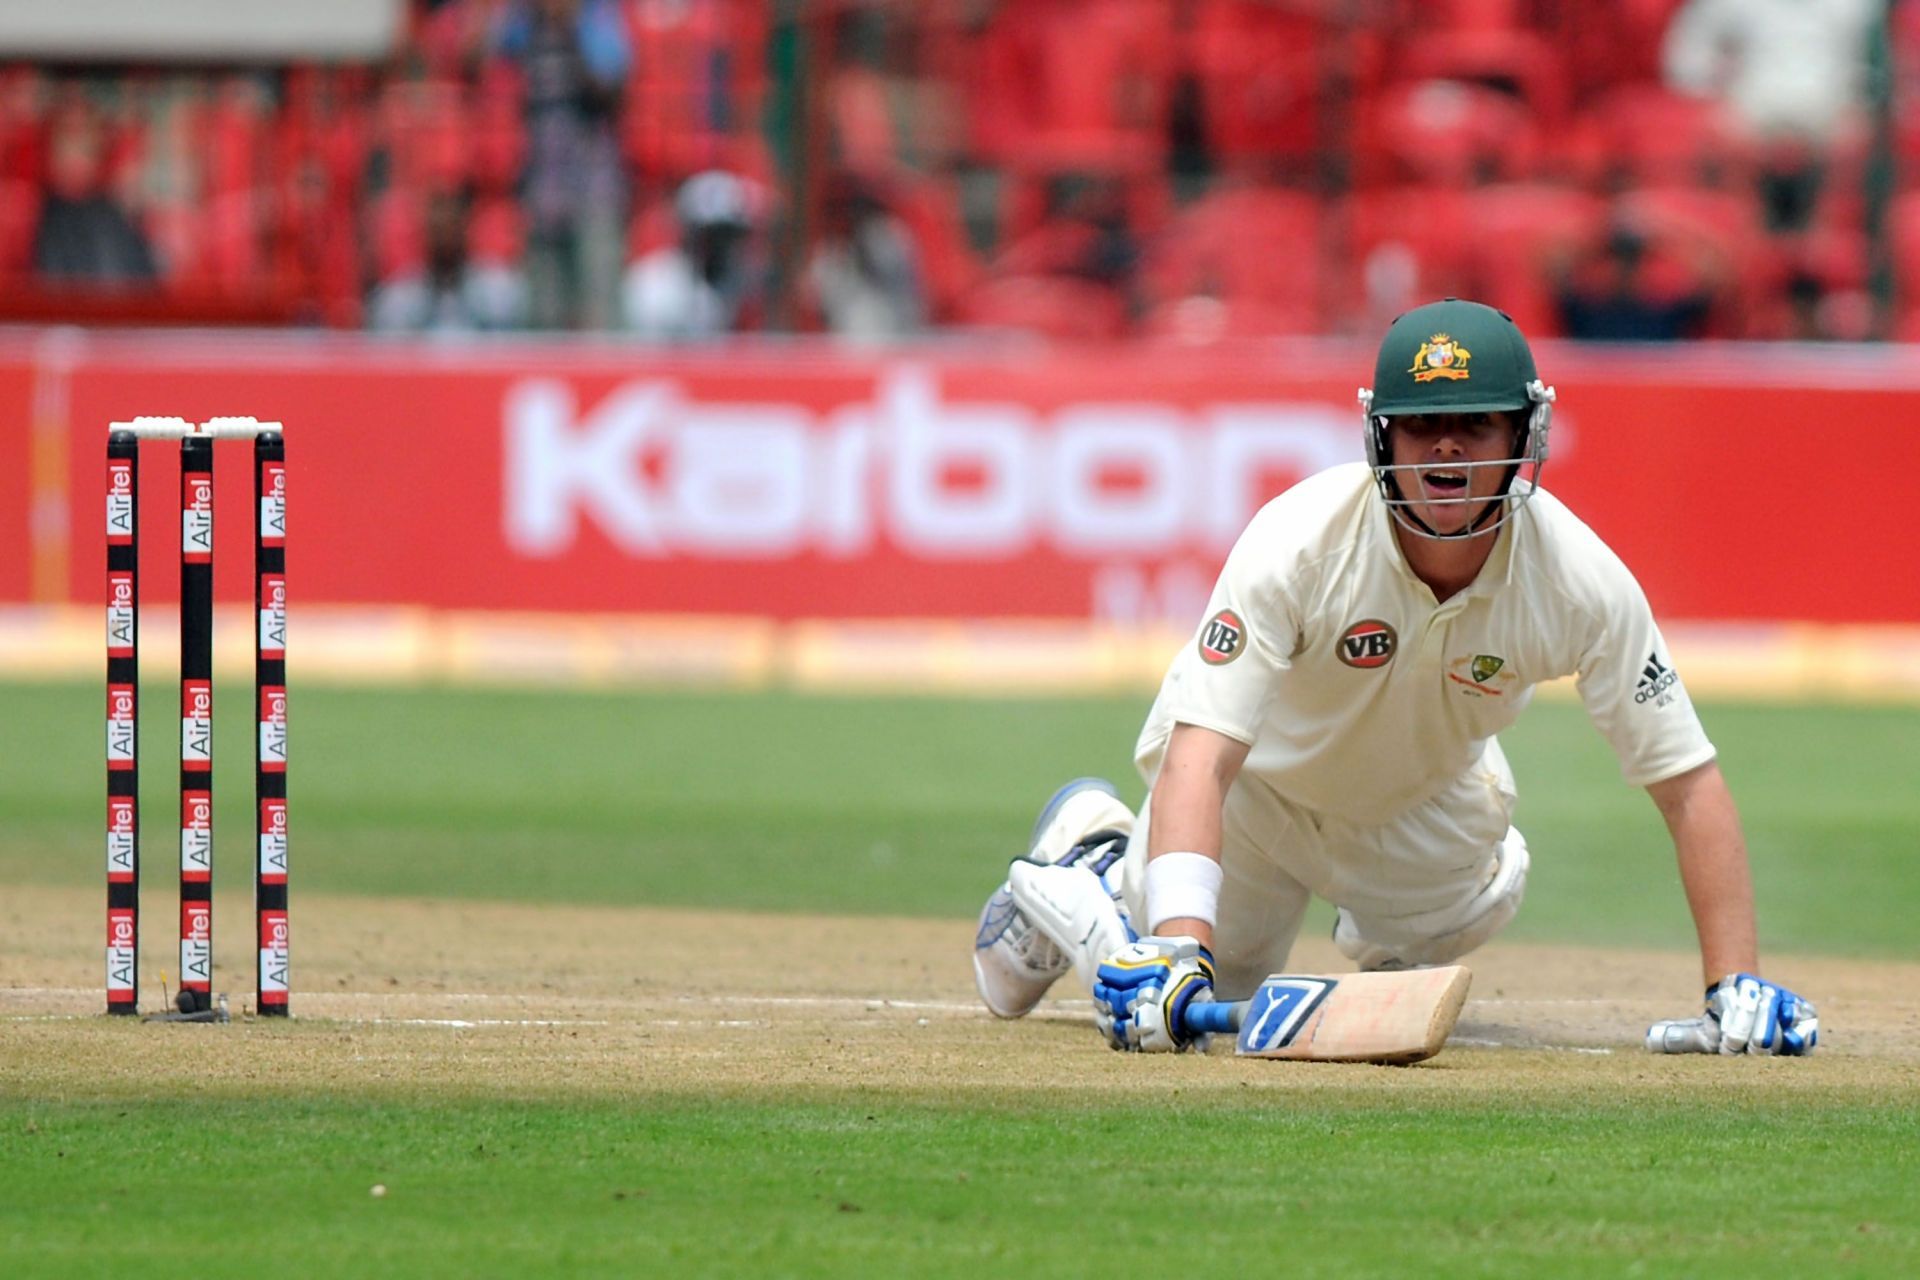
1332,729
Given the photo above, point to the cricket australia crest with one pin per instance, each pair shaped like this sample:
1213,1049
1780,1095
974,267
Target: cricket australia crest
1440,357
1482,675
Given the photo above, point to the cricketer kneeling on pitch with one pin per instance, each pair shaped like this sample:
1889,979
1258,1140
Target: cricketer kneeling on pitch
1332,730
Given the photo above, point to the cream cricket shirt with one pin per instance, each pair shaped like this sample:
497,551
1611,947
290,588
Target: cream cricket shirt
1360,696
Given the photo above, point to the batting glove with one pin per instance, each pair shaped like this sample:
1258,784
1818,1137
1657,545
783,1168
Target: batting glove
1141,994
1745,1015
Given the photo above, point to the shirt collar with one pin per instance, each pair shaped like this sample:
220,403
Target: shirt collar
1496,573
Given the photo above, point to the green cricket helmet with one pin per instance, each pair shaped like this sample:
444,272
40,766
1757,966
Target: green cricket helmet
1455,356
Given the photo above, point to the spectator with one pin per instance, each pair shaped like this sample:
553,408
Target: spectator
865,274
703,285
1794,74
448,292
1628,290
574,56
84,234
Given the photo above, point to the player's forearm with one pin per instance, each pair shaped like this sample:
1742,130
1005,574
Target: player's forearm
1720,895
1187,800
1712,856
1186,812
1186,817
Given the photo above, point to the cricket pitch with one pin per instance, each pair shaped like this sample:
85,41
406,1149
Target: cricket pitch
404,997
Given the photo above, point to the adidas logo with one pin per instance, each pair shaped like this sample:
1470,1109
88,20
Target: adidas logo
1655,680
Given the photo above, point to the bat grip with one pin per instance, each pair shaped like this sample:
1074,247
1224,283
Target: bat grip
1213,1015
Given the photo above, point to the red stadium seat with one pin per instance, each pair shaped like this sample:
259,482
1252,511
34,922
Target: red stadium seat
1077,84
1025,194
1903,236
440,138
1728,220
1519,234
1051,307
496,231
235,242
1648,134
695,86
1199,320
1836,257
1617,43
499,143
1444,131
1425,228
342,143
234,141
1531,218
22,117
1257,67
398,230
1691,229
19,223
1256,249
651,227
1482,16
862,119
178,233
1519,63
931,211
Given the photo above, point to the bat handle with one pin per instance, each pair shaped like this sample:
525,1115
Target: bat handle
1213,1015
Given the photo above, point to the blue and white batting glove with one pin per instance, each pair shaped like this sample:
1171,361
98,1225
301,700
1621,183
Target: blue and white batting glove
1745,1015
1141,994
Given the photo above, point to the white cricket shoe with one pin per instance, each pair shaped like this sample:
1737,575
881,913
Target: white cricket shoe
1014,963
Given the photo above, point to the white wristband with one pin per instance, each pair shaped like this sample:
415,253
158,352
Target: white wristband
1182,886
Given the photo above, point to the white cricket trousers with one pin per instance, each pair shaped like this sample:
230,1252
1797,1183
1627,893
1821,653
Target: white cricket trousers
1425,887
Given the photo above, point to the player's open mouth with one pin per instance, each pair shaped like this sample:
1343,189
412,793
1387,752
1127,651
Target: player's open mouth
1449,483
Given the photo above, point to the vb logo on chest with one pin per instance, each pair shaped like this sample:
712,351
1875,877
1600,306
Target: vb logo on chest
1367,644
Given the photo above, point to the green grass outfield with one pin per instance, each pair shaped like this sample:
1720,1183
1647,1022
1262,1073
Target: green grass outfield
891,1185
910,806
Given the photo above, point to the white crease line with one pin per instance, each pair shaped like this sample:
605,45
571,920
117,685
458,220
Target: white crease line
45,1017
952,1006
414,993
874,1004
472,1022
362,1022
863,1002
409,993
1474,1042
888,1001
458,1024
1582,1003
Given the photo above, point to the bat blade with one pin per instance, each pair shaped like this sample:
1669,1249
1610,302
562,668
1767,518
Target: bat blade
1356,1017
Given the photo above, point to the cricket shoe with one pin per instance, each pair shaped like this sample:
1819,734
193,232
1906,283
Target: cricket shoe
1368,957
1084,826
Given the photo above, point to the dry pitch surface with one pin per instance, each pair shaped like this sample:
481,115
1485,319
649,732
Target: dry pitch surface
414,998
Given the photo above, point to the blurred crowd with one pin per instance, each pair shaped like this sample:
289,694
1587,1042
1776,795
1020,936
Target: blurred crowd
1183,169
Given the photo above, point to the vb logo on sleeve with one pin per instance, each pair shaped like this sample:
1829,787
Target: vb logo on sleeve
1222,639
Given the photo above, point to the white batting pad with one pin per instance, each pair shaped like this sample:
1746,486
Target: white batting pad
1072,907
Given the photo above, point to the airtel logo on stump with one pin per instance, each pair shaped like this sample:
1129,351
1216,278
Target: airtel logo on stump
1367,644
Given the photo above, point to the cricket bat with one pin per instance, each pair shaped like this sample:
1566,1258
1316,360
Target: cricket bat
1355,1017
